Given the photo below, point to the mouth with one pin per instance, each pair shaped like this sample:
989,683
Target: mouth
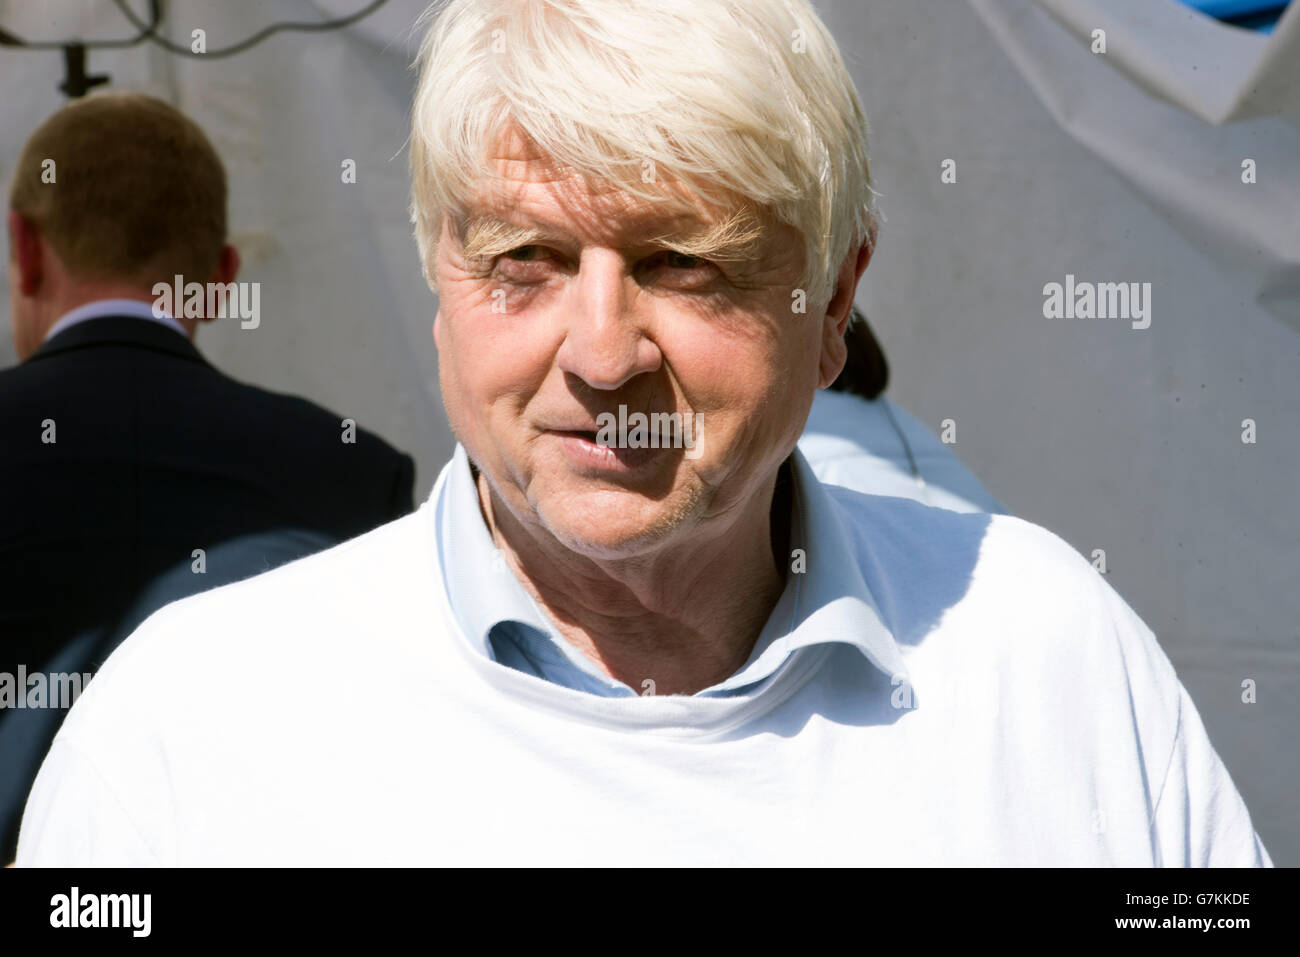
583,450
586,434
619,441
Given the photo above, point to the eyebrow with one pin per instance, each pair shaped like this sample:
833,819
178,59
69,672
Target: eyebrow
738,237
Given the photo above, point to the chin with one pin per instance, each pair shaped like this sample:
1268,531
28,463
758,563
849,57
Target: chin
609,524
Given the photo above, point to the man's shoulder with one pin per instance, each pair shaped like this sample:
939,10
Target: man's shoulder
343,602
994,575
360,572
303,635
337,463
184,382
288,412
183,406
908,526
996,599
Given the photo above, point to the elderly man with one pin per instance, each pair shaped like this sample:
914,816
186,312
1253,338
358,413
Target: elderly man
644,643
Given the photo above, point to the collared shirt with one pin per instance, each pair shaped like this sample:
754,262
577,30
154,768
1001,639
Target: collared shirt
112,307
504,622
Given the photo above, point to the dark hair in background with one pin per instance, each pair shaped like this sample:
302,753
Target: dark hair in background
141,194
866,372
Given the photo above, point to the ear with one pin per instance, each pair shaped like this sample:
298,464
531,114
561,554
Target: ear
437,329
227,265
225,271
840,309
27,251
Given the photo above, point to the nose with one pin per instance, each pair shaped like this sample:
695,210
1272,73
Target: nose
605,343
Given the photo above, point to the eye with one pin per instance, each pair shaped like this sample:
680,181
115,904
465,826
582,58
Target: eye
526,254
676,260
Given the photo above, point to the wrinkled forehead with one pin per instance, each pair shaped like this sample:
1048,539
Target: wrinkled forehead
521,183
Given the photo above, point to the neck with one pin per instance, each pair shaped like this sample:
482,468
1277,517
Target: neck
42,314
684,619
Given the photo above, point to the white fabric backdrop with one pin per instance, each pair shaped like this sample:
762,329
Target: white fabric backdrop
1123,167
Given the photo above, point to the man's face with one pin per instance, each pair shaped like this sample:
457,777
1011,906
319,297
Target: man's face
535,343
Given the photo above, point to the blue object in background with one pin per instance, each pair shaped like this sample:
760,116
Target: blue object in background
875,447
1258,15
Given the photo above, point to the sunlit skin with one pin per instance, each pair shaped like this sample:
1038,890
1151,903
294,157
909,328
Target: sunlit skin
664,572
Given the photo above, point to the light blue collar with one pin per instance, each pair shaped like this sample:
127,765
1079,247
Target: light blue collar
828,602
113,307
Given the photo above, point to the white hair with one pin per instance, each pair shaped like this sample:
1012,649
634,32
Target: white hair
746,102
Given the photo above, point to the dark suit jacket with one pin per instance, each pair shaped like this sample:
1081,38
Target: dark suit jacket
155,454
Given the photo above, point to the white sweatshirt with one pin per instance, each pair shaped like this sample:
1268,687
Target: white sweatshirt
331,712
